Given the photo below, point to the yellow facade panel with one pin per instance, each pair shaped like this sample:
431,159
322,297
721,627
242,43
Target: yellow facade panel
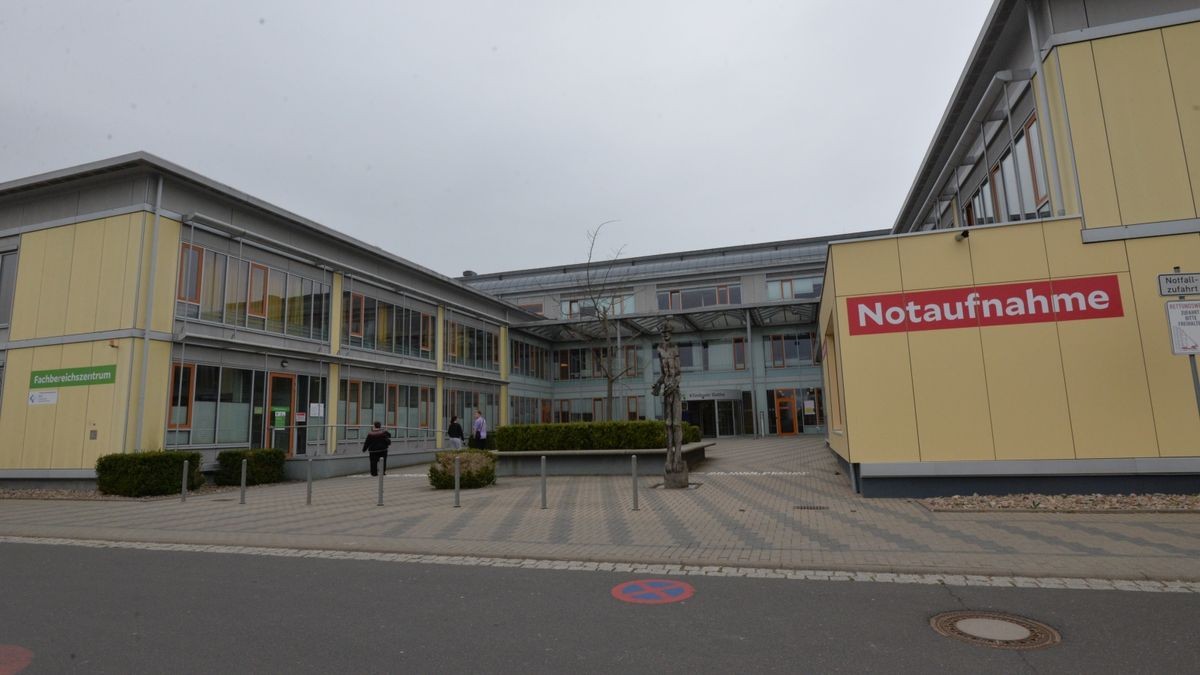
114,262
866,267
56,280
1006,254
166,275
27,297
1067,256
39,419
953,422
1106,384
1088,137
1027,392
1183,59
335,310
1171,390
1143,129
934,261
333,392
157,385
70,412
136,246
878,395
17,367
83,270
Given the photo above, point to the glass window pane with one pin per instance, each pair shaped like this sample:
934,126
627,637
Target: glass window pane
236,292
212,297
233,418
735,294
297,306
8,282
258,291
204,405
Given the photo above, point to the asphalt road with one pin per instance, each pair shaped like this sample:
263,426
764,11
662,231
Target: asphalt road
129,611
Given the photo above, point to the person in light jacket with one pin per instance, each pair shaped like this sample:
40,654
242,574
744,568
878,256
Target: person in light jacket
478,431
377,443
455,433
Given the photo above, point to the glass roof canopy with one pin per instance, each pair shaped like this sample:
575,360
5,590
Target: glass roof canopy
760,315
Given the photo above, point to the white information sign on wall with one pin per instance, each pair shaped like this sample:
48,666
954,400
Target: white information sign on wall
1183,316
1179,283
43,397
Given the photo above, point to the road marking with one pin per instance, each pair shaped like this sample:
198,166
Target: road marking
1141,585
653,591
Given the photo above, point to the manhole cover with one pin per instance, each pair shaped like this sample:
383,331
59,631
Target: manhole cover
992,629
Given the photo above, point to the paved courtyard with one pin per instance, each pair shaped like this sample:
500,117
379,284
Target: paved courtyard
777,503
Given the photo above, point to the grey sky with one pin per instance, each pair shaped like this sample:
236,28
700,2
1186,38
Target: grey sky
492,135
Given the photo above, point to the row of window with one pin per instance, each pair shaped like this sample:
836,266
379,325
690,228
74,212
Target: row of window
586,362
226,289
529,410
587,307
472,347
794,287
530,360
406,410
211,405
692,298
369,323
1015,187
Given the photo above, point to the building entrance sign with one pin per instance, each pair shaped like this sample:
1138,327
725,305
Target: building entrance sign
996,305
72,377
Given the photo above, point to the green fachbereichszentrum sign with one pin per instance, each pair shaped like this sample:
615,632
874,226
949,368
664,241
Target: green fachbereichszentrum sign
72,377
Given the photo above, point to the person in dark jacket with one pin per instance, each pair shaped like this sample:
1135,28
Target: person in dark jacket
455,432
377,443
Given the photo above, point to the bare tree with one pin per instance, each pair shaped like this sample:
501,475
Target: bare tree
606,303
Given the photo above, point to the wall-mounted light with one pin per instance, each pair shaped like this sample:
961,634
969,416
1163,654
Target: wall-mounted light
283,363
962,235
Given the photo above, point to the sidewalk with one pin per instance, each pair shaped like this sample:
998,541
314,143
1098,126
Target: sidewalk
762,503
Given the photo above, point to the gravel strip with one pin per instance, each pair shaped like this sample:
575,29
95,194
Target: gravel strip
1096,503
96,495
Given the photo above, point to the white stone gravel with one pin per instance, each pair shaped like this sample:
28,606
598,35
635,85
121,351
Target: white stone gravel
1131,585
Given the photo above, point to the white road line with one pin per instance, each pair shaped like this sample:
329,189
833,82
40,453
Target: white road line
645,568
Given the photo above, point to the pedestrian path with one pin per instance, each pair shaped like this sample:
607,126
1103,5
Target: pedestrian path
761,503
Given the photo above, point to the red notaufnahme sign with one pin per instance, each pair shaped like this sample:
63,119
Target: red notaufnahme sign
998,305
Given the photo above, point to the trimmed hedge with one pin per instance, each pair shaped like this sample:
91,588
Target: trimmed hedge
642,434
476,469
262,466
143,474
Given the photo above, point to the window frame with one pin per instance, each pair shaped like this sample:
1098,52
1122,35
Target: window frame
198,251
262,301
362,307
189,395
1039,198
739,345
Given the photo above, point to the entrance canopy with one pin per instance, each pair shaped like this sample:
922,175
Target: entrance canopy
762,315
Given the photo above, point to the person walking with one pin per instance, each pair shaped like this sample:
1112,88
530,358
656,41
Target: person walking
455,432
478,431
376,444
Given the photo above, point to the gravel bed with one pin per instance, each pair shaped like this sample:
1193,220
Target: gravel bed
1131,503
96,495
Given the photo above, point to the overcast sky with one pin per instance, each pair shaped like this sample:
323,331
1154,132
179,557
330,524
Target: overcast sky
492,135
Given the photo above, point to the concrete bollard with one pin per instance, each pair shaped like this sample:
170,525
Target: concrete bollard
633,461
243,499
543,481
457,464
183,488
380,501
308,500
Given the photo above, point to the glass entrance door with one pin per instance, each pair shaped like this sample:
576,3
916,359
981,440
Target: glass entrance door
785,412
282,401
726,418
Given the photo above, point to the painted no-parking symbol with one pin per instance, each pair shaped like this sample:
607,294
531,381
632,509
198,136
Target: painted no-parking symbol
653,591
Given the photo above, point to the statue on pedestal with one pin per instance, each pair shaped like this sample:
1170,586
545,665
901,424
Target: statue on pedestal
675,473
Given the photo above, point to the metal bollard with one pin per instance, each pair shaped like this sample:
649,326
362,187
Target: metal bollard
456,476
543,481
380,502
308,500
243,499
635,482
183,488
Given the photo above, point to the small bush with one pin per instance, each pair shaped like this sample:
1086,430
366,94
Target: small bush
476,469
143,474
633,435
262,466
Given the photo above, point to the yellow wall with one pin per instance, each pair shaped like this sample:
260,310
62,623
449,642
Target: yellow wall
1073,389
1132,107
82,278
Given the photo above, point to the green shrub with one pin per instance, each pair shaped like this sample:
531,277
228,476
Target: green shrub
476,469
262,466
142,474
633,435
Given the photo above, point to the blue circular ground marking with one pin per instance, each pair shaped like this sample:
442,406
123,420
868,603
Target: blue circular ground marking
653,591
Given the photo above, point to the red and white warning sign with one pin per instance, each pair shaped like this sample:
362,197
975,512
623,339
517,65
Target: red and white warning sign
1184,319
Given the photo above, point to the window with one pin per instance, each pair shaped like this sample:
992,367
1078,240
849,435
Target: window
1029,159
182,377
190,261
212,287
631,361
794,287
276,294
257,301
8,283
691,298
616,305
533,307
356,305
739,353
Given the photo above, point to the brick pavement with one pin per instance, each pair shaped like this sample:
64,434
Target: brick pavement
774,503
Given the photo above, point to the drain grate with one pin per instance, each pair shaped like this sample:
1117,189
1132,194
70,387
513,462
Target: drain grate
222,499
810,507
996,630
